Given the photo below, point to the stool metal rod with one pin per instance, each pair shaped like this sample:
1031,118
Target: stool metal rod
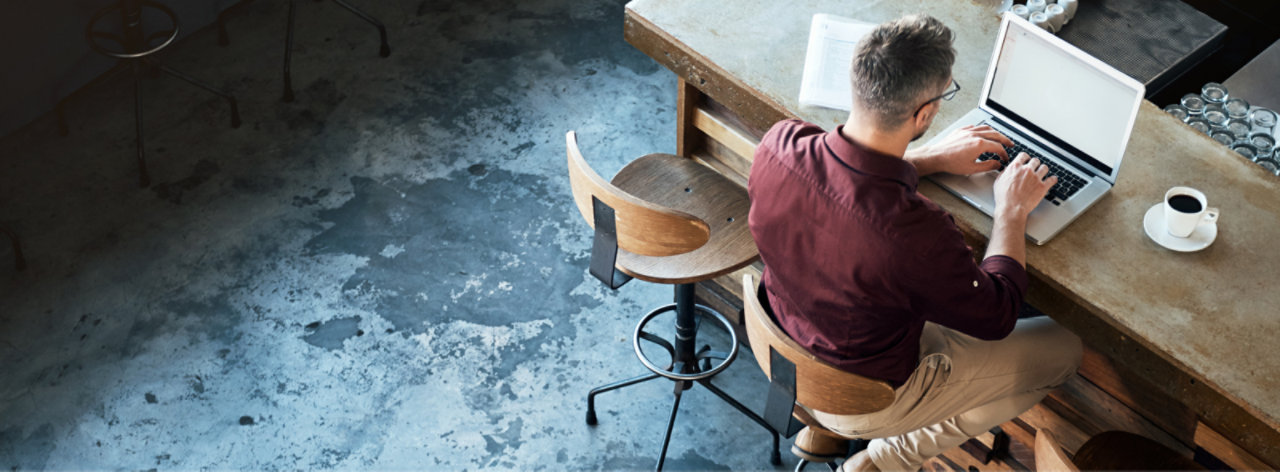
288,55
231,100
385,49
681,386
686,325
144,178
19,263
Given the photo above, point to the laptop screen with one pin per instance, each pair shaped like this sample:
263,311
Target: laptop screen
1048,87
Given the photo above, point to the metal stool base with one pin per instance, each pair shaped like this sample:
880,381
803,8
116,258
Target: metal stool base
688,365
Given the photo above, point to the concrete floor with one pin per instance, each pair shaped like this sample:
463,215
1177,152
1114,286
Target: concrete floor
387,273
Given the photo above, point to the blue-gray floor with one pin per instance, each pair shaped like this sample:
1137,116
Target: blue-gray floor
387,273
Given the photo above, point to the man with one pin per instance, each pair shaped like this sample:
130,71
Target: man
873,277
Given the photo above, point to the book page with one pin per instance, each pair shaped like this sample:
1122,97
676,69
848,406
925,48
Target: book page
832,40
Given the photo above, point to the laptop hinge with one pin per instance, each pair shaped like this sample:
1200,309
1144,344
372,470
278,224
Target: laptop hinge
1054,154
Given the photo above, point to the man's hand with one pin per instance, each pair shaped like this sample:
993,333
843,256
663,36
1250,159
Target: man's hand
1021,186
958,152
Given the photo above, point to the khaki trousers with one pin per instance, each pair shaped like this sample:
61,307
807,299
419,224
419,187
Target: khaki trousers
962,388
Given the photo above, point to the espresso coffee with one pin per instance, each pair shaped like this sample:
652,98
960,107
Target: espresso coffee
1185,203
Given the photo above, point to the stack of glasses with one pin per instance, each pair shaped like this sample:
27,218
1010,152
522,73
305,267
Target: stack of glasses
1249,131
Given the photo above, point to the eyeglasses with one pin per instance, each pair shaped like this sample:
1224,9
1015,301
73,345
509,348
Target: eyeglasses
948,95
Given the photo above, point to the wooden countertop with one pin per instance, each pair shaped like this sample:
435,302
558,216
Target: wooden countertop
1214,315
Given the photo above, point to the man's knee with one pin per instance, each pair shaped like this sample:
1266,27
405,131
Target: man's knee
1058,351
1068,351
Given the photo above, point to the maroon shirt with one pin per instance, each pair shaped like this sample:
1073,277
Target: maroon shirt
856,260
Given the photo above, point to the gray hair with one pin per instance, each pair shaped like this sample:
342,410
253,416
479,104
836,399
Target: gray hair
898,65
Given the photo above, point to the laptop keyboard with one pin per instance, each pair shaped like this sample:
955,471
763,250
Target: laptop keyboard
1068,182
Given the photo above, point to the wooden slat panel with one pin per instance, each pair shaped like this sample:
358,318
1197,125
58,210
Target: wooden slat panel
709,160
1093,411
1226,451
738,166
1137,394
719,130
688,99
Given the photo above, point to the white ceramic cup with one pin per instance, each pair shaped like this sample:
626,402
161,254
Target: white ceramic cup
1042,20
1070,7
1057,16
1036,6
1022,11
1181,220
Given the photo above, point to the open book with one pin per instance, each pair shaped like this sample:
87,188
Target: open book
832,39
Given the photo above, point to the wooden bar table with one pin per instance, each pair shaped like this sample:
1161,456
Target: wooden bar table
1184,342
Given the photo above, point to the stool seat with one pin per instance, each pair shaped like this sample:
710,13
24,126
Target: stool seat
1119,450
685,185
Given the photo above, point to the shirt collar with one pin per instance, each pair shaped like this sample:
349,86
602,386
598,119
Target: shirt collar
869,161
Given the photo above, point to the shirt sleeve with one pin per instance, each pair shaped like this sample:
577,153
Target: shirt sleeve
980,300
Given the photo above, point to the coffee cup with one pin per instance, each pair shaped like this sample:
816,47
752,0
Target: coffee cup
1186,208
1057,16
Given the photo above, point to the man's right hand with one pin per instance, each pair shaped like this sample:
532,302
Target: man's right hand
1021,186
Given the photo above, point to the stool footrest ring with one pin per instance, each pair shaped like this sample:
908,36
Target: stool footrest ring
690,371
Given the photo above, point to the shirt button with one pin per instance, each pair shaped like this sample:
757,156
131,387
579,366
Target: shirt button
975,284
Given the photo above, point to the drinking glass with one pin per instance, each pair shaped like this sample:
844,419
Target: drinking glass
1214,92
1247,150
1263,140
1178,111
1263,118
1270,165
1237,108
1239,127
1223,136
1194,103
1215,115
1198,124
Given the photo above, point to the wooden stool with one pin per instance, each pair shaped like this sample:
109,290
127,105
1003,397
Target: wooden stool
1112,450
669,220
797,377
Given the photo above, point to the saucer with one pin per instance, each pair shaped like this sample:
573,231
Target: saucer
1201,238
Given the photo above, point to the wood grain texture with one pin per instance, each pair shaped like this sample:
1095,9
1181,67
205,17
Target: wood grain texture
819,385
1049,455
1082,404
1226,451
691,188
644,227
718,129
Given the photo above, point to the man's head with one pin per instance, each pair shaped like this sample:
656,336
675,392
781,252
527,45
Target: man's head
898,67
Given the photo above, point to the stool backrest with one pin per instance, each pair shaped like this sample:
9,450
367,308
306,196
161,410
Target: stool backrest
643,228
1049,455
819,385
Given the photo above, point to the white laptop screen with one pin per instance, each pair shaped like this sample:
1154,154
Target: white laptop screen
1063,98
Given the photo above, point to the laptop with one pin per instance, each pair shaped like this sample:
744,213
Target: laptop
1059,104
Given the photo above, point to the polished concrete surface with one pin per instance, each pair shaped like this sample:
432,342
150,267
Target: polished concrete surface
387,273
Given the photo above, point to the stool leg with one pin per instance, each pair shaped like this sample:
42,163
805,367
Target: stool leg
382,30
671,423
288,54
144,179
231,100
775,457
223,39
591,397
61,113
19,262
